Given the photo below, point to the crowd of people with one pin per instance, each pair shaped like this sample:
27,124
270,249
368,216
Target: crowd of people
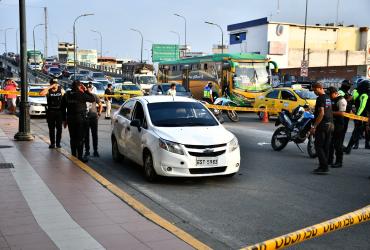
330,124
78,109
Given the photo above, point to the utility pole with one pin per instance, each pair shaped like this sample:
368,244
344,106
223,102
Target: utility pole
24,131
46,32
337,16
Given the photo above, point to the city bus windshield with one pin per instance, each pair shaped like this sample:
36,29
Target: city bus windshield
147,80
251,77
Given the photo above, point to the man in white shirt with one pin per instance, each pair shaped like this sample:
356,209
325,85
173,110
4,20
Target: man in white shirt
172,90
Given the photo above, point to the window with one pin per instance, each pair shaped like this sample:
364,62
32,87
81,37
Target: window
139,113
287,95
273,94
126,109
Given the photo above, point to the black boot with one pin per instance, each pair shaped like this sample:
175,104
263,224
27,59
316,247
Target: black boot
337,165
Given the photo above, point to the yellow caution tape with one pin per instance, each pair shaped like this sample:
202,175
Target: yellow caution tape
344,221
356,117
212,106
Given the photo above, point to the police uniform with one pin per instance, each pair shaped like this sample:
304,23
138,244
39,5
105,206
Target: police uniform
207,94
92,124
54,116
74,113
339,104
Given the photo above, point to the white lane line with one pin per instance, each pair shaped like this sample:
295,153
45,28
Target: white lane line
45,207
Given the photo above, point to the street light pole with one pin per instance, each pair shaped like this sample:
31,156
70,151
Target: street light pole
23,133
142,42
6,49
101,42
75,43
186,48
305,32
34,46
222,35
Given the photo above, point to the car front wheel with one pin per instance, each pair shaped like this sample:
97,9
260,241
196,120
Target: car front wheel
116,155
149,172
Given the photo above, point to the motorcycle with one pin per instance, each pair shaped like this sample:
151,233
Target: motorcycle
296,128
225,101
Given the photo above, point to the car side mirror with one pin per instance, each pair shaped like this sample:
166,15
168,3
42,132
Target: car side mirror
136,123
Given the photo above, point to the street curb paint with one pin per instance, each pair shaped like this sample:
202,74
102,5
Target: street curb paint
341,222
132,202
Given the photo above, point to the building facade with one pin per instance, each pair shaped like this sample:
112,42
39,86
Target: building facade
87,56
329,48
65,52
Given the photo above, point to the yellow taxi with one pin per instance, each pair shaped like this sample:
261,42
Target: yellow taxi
285,98
126,88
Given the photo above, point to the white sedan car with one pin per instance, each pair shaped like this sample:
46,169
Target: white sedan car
174,137
37,103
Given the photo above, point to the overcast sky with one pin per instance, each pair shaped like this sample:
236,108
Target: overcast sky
155,19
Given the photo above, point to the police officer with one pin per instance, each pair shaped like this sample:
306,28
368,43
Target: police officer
54,94
322,127
94,112
361,101
74,115
207,93
339,105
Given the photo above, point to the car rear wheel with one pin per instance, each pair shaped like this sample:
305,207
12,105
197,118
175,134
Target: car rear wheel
149,171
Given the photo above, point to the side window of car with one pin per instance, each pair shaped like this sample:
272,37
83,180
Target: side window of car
287,95
273,94
139,113
126,109
154,89
160,89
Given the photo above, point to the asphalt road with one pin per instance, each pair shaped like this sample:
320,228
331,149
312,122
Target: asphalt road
274,193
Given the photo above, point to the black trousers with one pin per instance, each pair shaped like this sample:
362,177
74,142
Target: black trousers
322,143
336,144
358,131
55,122
77,128
92,124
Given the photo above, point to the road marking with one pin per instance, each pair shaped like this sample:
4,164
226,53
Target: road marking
263,143
131,201
45,207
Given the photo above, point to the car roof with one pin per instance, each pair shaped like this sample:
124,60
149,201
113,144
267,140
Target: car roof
164,98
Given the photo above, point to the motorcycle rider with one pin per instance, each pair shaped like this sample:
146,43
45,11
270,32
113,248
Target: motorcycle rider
360,98
322,127
339,105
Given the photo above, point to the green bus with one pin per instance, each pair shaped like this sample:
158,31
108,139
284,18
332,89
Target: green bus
241,76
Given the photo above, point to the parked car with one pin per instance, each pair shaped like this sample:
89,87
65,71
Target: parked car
55,72
34,66
173,136
68,70
117,80
78,77
162,88
37,103
126,89
96,76
84,72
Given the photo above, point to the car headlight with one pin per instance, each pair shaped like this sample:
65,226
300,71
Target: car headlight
171,147
233,144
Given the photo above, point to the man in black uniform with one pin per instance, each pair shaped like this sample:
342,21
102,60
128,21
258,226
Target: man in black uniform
74,115
339,105
322,127
94,111
54,94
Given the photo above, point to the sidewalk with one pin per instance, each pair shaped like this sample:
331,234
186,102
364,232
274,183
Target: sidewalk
47,202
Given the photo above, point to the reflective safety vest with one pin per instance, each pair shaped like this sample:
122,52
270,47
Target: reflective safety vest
207,92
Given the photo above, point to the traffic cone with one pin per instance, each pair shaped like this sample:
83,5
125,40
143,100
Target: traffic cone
265,118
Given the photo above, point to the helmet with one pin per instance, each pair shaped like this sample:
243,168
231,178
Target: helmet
363,87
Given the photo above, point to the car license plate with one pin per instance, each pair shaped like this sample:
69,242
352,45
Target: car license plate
207,162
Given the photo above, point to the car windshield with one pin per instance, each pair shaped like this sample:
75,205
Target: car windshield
147,80
306,94
179,88
84,72
35,91
180,114
99,86
251,77
118,80
130,87
54,69
98,75
105,82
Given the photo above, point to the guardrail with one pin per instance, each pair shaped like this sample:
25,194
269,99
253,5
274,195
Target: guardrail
109,71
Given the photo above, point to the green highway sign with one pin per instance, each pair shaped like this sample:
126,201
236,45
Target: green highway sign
165,52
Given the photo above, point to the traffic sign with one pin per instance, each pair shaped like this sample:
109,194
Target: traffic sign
165,52
304,68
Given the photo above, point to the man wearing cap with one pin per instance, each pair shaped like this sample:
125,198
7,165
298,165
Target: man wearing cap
74,114
322,127
94,110
339,105
54,94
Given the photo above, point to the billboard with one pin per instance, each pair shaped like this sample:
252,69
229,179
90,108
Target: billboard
165,52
